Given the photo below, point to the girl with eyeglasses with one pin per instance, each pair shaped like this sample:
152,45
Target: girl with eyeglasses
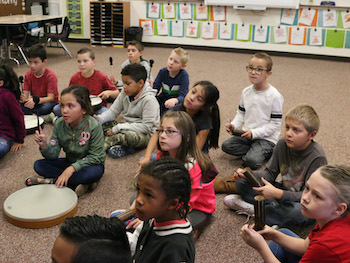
177,139
201,104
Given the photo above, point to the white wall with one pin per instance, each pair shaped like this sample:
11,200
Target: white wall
270,17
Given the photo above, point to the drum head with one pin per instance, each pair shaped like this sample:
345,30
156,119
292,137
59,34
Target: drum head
95,100
31,123
40,206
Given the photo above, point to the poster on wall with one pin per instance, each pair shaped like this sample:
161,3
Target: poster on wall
12,7
169,10
75,15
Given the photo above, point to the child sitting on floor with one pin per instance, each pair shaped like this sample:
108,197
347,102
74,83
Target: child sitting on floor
295,158
163,193
140,110
172,81
81,138
325,198
41,83
135,53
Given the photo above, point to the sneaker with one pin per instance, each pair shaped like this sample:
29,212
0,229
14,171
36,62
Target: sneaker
236,202
81,189
48,118
118,151
93,186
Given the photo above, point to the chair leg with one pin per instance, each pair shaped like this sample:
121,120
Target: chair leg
65,48
9,54
23,55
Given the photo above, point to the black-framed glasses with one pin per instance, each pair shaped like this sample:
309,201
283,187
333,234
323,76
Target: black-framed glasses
258,71
169,133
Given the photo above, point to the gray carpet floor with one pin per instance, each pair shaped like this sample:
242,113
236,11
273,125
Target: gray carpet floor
322,83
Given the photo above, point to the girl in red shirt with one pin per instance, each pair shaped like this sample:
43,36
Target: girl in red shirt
326,198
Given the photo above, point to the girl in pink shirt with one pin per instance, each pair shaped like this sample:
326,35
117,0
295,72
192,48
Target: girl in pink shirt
177,139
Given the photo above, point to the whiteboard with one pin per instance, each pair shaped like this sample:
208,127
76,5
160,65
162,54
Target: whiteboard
256,3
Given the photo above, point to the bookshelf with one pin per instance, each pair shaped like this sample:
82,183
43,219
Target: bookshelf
108,21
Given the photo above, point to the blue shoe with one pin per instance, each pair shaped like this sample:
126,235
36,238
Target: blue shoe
118,151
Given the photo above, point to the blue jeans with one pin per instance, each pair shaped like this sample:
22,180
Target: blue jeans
57,110
43,109
277,212
280,253
5,146
254,152
54,168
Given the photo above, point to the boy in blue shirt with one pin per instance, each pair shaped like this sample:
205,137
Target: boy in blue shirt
172,81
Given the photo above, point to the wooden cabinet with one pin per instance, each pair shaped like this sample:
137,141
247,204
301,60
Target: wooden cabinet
108,21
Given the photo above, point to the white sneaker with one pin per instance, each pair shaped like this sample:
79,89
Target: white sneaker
236,202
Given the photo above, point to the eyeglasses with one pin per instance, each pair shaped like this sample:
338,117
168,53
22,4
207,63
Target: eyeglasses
258,71
169,133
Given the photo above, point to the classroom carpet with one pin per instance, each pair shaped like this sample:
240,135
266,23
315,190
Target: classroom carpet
320,82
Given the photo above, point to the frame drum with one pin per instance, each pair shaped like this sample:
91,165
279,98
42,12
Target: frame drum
40,206
96,102
31,123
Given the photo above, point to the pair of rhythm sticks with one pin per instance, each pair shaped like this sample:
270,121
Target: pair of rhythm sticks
259,200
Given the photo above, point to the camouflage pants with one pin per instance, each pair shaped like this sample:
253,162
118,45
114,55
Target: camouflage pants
124,137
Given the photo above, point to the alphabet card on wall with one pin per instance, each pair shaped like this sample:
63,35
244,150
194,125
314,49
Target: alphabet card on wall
169,11
329,18
243,32
185,11
161,28
147,26
218,13
201,12
260,34
279,34
177,28
209,30
192,29
308,17
225,31
316,37
345,16
289,17
297,35
153,10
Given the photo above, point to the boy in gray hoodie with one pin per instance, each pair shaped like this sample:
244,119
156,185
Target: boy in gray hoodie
140,110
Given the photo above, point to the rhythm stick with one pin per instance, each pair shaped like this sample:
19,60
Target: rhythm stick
125,216
259,212
248,173
21,80
111,64
151,62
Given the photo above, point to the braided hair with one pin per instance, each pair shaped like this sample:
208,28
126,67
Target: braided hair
175,180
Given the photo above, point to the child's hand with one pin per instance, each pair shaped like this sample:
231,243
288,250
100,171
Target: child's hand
16,146
268,190
268,232
29,103
252,238
143,163
171,103
113,80
110,133
23,98
62,180
96,117
40,138
247,134
104,95
134,223
238,175
229,127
